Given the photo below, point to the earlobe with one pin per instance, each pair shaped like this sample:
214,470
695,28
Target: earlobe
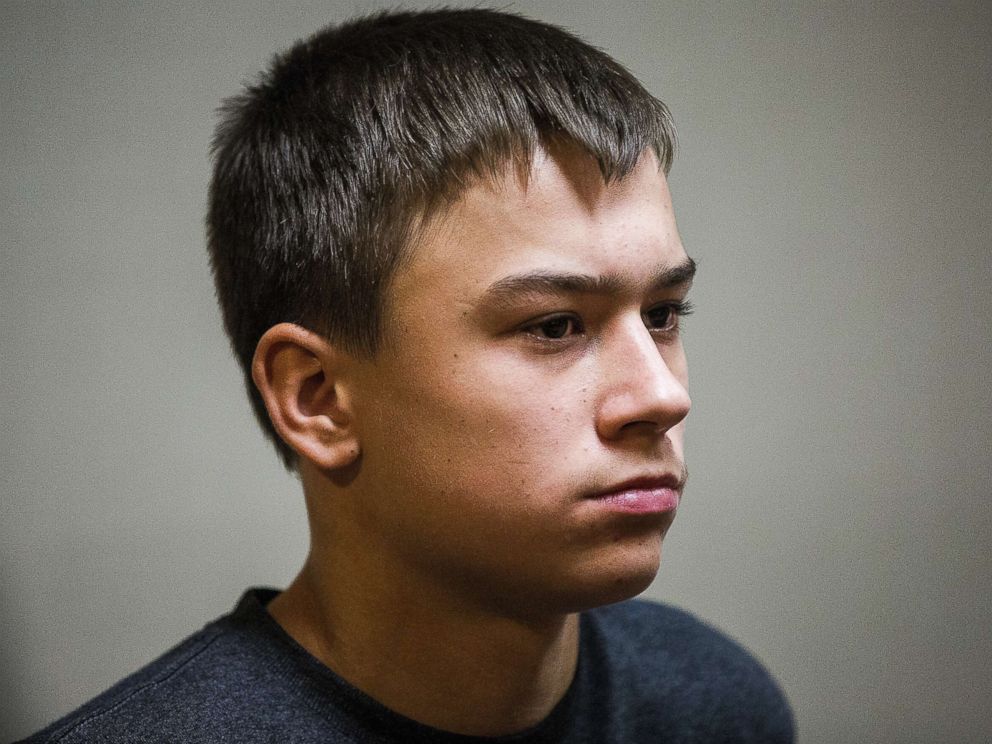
300,376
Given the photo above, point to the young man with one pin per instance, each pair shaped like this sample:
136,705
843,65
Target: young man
446,256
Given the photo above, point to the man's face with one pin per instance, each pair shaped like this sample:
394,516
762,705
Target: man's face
532,364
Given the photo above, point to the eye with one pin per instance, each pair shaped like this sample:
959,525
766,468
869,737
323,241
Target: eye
665,317
555,327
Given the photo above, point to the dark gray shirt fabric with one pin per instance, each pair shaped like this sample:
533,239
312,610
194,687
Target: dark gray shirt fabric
647,673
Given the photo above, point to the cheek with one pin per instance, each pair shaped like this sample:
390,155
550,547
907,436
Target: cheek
484,427
676,435
473,469
677,362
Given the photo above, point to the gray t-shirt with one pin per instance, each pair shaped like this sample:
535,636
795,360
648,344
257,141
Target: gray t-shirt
646,673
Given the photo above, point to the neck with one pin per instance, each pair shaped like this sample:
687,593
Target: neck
441,663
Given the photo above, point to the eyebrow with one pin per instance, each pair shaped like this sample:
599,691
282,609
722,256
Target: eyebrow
509,288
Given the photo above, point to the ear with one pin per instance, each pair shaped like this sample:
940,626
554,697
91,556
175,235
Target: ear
300,377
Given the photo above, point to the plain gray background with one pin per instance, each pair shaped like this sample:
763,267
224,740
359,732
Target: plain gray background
833,182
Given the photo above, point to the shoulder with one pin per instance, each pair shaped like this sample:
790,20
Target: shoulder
219,682
164,683
665,633
681,673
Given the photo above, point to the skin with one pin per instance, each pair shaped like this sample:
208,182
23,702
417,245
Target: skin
450,480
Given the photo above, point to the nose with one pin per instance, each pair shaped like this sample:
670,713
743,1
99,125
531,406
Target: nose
643,384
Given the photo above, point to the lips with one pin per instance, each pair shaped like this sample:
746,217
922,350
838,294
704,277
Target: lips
644,494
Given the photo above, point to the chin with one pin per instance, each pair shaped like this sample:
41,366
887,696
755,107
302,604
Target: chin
624,574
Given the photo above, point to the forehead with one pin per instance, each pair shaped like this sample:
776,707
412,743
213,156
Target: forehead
560,216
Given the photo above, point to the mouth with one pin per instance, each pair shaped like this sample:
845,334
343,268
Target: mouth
654,494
